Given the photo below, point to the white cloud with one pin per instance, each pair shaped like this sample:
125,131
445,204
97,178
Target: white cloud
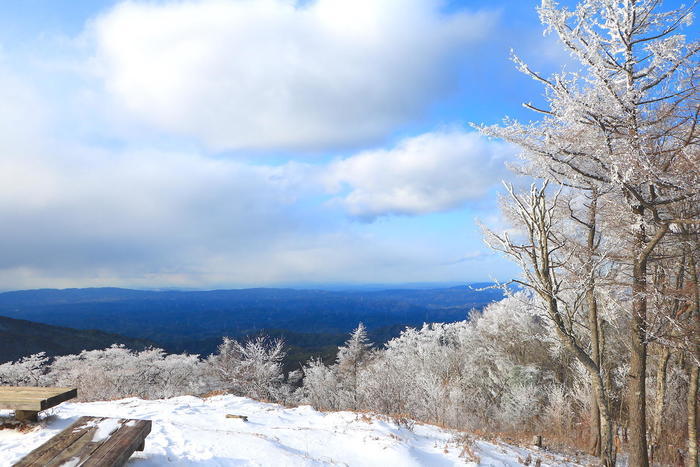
75,214
23,115
281,74
427,173
88,203
78,216
151,218
78,212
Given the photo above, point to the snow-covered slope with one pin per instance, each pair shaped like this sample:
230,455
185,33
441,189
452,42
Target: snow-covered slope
194,431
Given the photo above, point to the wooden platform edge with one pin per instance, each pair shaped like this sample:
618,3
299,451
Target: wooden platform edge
114,451
53,401
45,448
121,446
32,399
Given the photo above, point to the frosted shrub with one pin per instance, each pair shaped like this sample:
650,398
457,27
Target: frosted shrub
520,405
429,365
321,387
557,413
384,386
251,369
352,359
119,372
341,386
491,371
28,371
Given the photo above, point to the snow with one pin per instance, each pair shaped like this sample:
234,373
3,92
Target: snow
194,431
105,428
72,462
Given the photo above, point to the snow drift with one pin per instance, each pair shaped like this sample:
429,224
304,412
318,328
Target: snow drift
193,431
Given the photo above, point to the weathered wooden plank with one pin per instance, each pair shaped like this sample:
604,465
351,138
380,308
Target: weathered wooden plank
77,444
56,399
22,405
34,390
53,447
78,451
34,399
121,445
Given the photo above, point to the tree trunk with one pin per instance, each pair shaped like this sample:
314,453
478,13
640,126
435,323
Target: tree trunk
595,424
692,416
636,396
660,403
601,419
608,386
692,407
606,456
636,402
594,330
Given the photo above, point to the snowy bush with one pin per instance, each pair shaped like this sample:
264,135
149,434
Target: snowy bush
520,404
251,369
490,370
321,387
119,372
557,414
28,371
340,387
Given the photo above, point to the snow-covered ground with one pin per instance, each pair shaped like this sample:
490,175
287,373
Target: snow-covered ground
194,431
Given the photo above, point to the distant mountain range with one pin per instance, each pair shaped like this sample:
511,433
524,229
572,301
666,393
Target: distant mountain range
19,338
195,321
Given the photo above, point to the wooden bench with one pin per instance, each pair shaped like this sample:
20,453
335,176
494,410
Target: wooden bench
93,442
27,402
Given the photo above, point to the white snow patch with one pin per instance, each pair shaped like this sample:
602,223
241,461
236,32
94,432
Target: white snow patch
72,462
105,428
86,425
189,431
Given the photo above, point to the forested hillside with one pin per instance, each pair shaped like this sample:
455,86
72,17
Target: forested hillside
311,321
19,338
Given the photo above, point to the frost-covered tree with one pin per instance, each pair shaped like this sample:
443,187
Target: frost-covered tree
27,371
320,386
252,368
491,372
542,255
421,368
626,123
674,331
339,386
351,359
120,372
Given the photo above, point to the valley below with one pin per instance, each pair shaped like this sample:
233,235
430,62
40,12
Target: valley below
311,322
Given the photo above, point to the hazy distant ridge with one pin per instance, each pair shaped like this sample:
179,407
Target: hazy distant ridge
19,338
194,321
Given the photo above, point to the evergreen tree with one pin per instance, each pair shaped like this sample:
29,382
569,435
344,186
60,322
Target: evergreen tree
352,357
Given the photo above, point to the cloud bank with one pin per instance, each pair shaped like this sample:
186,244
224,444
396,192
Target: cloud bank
76,215
86,204
281,74
427,173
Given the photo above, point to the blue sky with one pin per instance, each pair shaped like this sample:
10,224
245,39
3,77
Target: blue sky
234,143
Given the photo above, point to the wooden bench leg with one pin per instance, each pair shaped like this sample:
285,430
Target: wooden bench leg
141,446
26,415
